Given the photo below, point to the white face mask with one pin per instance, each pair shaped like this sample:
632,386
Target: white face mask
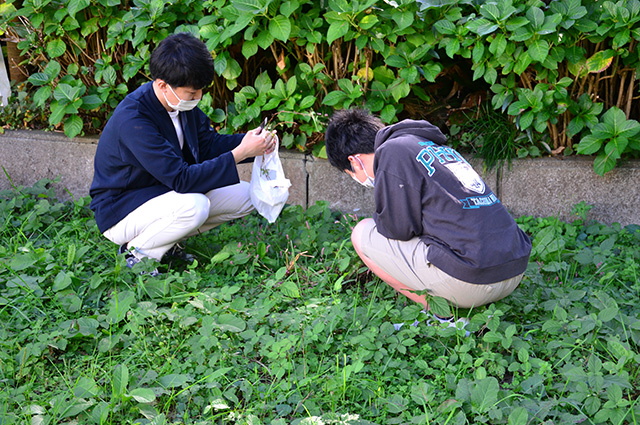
183,105
369,182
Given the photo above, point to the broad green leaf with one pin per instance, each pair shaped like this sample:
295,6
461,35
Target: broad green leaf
337,30
249,48
491,12
253,6
42,95
439,306
396,61
518,416
57,112
539,50
403,19
56,48
334,97
73,126
368,21
280,28
603,164
498,44
307,102
400,89
74,6
39,79
616,146
290,289
174,380
589,145
535,15
600,61
86,388
119,380
484,394
231,323
61,281
143,395
218,116
91,102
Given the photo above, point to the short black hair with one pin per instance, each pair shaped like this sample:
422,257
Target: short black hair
350,132
181,60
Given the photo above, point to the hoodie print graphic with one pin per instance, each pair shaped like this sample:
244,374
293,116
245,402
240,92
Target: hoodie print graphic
460,169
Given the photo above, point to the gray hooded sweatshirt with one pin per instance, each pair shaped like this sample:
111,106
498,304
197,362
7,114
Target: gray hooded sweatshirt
428,190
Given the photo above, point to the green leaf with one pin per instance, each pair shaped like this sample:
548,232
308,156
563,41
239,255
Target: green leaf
231,323
280,28
174,380
589,145
143,395
396,61
119,380
91,101
368,21
439,306
307,102
518,416
61,281
42,95
290,289
498,44
56,48
600,61
603,164
403,19
334,97
249,48
39,79
535,15
539,50
86,388
252,6
337,30
73,126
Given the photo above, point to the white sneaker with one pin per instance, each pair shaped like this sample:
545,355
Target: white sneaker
461,323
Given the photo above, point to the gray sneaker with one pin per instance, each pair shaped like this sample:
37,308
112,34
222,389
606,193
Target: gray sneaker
132,260
178,252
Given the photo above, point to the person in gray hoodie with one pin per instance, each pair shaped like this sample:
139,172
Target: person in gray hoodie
437,226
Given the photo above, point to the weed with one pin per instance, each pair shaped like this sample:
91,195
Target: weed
280,324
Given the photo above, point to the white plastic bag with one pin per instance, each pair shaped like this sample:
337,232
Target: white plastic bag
269,188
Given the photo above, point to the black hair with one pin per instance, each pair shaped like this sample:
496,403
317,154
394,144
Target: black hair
350,132
181,60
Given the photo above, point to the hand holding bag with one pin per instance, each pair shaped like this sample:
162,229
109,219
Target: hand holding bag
269,188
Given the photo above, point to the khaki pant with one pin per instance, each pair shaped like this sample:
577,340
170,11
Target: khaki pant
406,261
158,224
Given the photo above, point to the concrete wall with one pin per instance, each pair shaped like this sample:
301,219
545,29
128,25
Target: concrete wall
539,187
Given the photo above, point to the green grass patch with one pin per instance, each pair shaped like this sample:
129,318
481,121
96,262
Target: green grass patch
281,324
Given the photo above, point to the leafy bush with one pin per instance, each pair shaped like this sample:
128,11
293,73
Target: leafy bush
281,324
556,68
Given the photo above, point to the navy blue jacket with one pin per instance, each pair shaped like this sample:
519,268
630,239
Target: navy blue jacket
139,157
428,190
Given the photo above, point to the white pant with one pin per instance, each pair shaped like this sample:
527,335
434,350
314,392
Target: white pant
158,224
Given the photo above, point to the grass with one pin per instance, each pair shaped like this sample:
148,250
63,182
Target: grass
281,324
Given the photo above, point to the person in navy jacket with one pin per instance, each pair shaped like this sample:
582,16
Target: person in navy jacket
437,225
161,172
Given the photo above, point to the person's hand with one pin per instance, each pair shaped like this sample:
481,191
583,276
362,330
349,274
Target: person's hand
272,137
254,143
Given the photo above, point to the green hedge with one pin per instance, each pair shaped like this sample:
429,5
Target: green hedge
565,72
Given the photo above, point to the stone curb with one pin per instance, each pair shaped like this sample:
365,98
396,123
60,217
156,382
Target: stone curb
539,187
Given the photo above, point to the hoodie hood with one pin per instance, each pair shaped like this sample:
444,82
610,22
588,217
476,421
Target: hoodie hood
420,128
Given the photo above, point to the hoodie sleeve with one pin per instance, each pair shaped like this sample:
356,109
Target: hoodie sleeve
398,207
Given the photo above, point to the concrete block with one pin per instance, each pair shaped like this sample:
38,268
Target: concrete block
329,184
29,156
546,187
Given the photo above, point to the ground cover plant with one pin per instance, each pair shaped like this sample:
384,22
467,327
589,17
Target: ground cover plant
280,324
